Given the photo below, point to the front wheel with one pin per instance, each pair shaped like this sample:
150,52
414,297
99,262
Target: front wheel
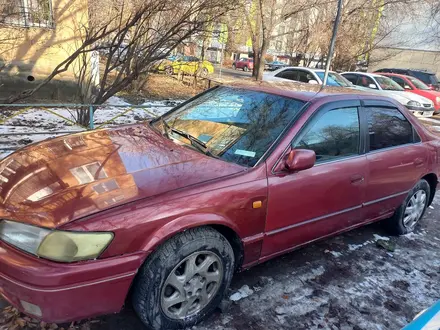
204,73
245,69
234,67
407,216
184,280
169,70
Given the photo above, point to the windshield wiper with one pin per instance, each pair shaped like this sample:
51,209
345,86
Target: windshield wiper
195,142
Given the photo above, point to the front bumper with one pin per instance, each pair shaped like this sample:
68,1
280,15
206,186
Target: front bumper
65,292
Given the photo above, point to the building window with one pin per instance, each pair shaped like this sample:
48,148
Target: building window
88,173
37,13
107,186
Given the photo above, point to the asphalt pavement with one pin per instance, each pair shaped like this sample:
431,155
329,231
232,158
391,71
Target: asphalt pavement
229,73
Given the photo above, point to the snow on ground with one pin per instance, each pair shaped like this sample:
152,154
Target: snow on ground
39,120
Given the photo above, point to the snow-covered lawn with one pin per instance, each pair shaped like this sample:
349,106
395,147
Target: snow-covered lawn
41,121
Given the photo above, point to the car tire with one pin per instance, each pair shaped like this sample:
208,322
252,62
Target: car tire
204,73
179,262
245,69
407,216
169,70
234,67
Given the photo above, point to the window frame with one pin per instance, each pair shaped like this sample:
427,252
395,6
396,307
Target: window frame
318,113
24,19
386,105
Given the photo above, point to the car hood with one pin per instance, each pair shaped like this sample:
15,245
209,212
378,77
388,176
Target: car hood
63,179
404,97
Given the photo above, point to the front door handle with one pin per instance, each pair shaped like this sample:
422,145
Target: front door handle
356,179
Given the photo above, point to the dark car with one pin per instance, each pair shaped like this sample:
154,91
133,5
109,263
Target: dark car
426,76
275,65
163,213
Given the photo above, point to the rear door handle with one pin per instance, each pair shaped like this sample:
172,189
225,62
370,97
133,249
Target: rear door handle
356,179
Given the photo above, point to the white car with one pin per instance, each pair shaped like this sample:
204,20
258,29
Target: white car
418,105
306,75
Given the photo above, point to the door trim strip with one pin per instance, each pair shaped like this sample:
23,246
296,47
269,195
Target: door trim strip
276,231
385,198
279,230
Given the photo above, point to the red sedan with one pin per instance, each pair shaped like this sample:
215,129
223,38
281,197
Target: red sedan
164,213
416,86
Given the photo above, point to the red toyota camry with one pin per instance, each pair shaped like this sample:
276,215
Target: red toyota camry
416,86
162,214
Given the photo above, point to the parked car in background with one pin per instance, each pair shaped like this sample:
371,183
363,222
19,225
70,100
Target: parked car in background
418,105
428,77
275,65
163,213
246,64
306,75
186,64
416,86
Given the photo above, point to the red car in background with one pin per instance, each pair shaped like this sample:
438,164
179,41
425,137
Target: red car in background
247,64
416,86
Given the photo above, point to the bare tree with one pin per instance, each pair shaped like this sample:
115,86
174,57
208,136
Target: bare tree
133,35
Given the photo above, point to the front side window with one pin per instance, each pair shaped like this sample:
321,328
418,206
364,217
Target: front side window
400,81
388,84
333,135
232,124
388,128
305,77
367,82
419,84
26,12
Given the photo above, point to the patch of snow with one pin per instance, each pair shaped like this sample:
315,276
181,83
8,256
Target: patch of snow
243,292
412,236
431,207
335,254
378,237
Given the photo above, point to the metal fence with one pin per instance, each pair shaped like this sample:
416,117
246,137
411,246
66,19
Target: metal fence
10,111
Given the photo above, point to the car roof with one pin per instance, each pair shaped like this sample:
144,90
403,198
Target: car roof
396,75
427,71
299,91
368,74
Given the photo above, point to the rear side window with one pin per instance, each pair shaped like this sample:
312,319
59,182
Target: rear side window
388,128
333,135
288,74
351,78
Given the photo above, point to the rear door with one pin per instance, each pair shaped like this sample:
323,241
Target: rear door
396,158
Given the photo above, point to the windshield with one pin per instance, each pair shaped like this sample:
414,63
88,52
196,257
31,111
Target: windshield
234,125
388,84
334,79
419,84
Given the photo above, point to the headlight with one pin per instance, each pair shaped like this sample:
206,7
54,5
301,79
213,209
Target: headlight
414,104
63,246
437,100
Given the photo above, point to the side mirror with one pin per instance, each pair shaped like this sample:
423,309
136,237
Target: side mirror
313,82
407,87
373,86
299,160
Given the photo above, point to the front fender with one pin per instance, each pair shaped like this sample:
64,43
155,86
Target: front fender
183,223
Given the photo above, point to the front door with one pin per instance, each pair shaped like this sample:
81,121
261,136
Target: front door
327,198
396,160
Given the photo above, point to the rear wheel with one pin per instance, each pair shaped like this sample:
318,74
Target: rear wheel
245,69
184,280
234,67
407,216
169,70
204,72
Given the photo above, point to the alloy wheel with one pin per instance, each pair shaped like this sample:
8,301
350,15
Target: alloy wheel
414,209
191,285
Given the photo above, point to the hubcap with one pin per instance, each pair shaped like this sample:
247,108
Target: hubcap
191,285
414,209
